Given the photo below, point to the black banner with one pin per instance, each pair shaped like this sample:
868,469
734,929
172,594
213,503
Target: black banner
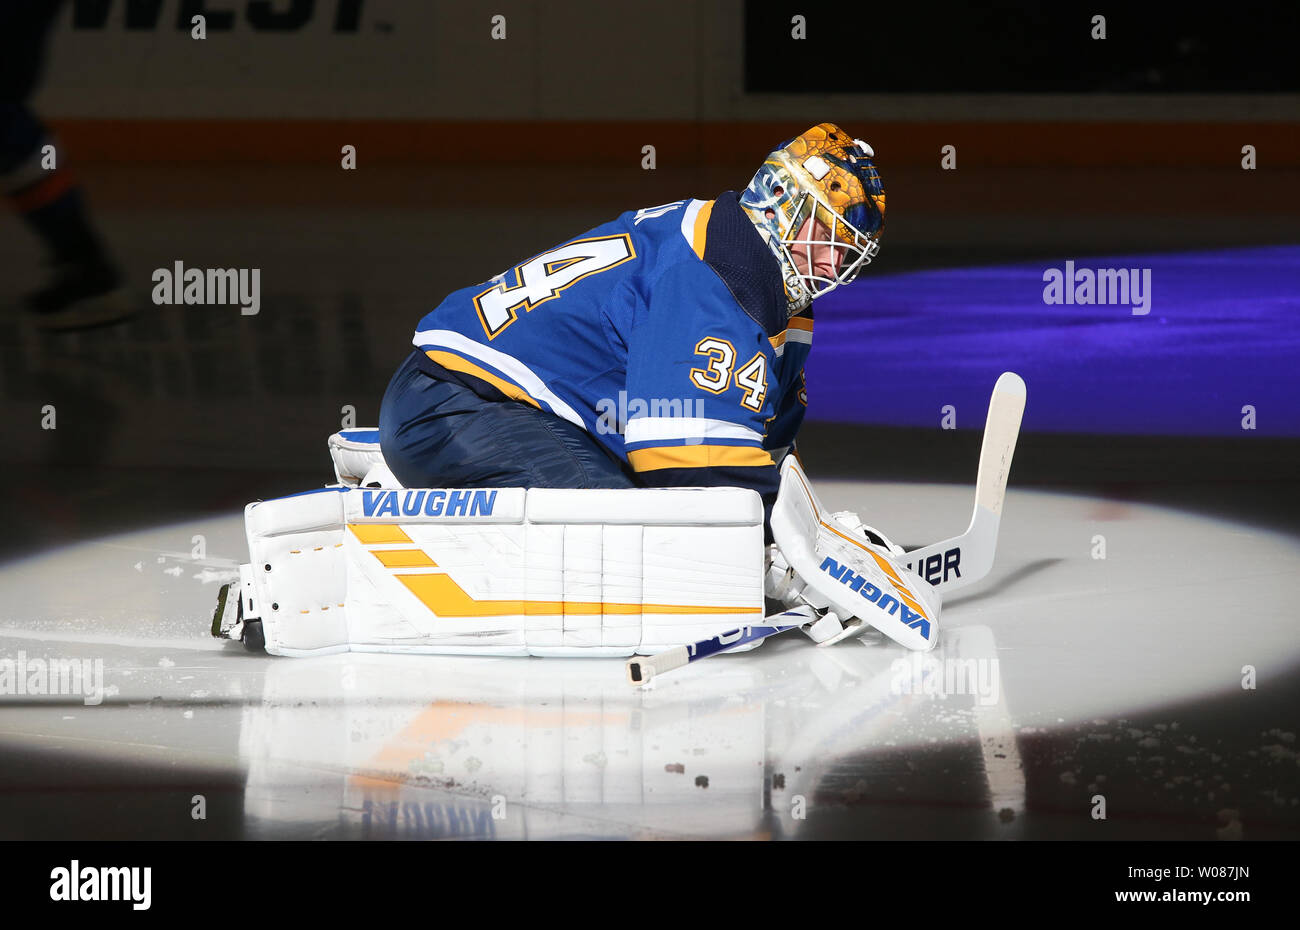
1009,47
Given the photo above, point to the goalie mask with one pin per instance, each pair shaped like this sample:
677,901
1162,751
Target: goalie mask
819,204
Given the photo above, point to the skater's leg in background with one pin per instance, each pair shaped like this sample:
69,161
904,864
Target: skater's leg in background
439,434
48,199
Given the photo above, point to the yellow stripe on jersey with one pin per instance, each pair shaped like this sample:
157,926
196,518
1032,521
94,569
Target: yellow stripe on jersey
698,456
701,230
453,362
795,322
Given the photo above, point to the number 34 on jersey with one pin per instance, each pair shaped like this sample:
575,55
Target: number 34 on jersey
547,276
720,372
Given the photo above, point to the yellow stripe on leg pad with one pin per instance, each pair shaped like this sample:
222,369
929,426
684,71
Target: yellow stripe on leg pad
370,533
404,558
445,598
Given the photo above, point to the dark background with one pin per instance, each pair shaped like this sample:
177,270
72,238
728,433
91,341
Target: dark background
1068,148
1009,47
201,408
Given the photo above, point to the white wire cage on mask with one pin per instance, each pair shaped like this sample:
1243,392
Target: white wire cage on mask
823,250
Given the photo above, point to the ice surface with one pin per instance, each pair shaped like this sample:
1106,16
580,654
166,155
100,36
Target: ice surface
756,745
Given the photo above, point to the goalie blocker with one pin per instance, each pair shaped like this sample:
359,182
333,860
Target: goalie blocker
837,569
546,571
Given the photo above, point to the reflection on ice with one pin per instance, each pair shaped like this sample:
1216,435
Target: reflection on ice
430,747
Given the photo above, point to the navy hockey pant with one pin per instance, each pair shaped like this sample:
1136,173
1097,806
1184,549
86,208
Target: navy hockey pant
439,434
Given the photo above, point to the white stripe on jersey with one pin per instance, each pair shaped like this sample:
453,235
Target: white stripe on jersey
793,335
688,221
508,365
646,429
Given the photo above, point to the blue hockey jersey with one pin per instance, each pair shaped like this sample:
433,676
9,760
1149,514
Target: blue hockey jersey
662,333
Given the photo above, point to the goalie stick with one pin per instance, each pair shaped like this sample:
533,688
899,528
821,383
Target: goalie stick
963,560
947,565
640,669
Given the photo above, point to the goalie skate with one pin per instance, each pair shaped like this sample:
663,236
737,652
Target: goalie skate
228,619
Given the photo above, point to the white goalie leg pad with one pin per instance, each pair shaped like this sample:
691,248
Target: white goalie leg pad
648,568
298,569
839,570
358,461
505,571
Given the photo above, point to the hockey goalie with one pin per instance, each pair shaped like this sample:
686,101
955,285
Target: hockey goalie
593,453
